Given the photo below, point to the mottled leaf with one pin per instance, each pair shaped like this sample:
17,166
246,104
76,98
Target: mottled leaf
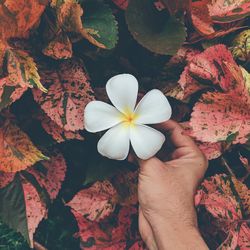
156,31
17,152
223,11
50,174
95,203
115,232
69,92
241,45
19,17
58,133
35,209
218,115
59,48
222,197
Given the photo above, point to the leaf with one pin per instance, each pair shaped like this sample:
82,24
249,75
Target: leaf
201,18
241,45
223,11
126,185
95,203
6,178
23,204
123,4
59,48
100,24
155,31
19,17
96,22
21,74
50,174
115,232
35,209
69,92
21,208
219,195
217,116
17,152
58,133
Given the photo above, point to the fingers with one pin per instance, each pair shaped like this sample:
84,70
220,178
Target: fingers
146,166
177,135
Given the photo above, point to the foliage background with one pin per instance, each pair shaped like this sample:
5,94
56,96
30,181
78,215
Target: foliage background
147,56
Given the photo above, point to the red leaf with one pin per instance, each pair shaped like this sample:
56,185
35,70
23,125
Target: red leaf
58,133
50,174
69,92
115,232
221,197
232,11
35,209
95,203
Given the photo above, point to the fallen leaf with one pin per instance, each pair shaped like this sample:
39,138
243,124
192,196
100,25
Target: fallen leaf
69,92
6,178
17,152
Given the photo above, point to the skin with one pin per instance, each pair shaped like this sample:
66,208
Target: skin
166,189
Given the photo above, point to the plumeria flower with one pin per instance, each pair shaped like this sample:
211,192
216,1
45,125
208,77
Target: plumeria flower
126,123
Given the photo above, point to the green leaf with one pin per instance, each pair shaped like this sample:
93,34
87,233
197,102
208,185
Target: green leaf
156,31
9,239
100,23
12,207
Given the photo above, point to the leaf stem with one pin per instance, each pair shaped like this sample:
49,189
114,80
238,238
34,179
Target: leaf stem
227,166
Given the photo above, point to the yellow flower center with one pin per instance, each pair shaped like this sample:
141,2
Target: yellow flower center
129,117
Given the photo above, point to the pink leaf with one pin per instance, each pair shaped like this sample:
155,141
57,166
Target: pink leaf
35,209
123,4
217,116
50,174
69,92
95,203
58,133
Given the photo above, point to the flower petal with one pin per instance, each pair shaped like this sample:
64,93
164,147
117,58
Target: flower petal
114,144
146,141
153,108
122,91
99,116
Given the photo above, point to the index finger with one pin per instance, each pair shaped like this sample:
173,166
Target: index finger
177,134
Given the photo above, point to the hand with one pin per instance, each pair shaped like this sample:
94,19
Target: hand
167,217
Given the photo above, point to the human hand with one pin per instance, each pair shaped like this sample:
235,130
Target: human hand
167,217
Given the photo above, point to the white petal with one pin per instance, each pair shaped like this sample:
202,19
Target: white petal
153,108
146,141
122,91
99,116
114,144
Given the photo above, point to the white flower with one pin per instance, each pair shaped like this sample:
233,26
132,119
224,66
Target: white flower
125,122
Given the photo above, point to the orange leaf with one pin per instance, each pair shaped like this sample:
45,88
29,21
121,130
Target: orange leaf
17,152
18,17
